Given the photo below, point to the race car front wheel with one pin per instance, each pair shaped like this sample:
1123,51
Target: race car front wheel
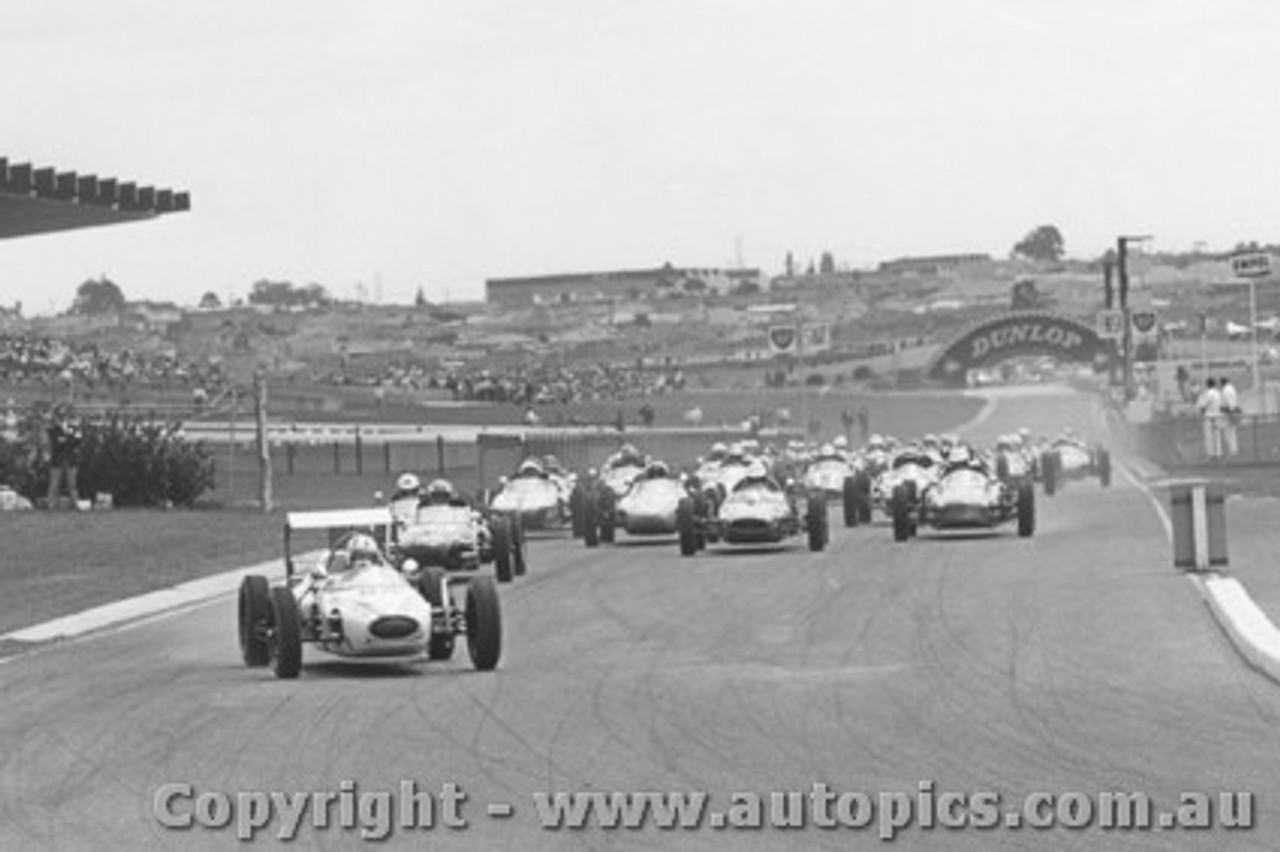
484,624
255,620
286,635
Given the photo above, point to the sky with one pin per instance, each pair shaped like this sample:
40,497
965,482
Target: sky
379,146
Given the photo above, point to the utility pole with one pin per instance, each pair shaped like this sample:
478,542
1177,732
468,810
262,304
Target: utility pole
1122,265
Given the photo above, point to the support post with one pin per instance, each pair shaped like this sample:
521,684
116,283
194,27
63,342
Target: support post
264,445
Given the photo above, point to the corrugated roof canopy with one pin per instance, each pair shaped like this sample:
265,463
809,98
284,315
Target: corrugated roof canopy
38,200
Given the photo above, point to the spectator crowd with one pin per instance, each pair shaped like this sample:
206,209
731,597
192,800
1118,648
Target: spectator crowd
528,384
37,361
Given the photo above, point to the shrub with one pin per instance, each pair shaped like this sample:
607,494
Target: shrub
139,463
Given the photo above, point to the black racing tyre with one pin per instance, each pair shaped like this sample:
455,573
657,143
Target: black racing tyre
1026,510
429,585
590,522
862,488
819,530
484,624
608,519
849,502
1002,467
1103,462
286,634
440,647
255,620
519,551
502,547
1049,472
912,492
900,509
575,510
686,528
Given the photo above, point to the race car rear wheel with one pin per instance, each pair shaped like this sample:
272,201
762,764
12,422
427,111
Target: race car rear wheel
429,585
484,624
686,528
608,519
900,508
1026,510
502,547
285,643
1049,472
519,552
590,523
255,620
862,489
575,510
819,528
849,502
1103,461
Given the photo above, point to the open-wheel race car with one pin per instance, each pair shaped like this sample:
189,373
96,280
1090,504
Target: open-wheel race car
909,472
594,501
965,496
356,604
648,508
1069,458
828,473
759,510
534,496
445,532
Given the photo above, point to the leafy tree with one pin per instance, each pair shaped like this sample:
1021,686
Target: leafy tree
1043,243
282,295
210,301
98,297
421,299
791,265
827,263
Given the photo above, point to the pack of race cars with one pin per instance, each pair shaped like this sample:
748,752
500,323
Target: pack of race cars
403,581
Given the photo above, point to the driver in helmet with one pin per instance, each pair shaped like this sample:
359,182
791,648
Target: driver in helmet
718,452
358,551
439,493
656,470
407,485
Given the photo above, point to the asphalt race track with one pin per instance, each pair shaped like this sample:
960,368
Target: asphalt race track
1075,662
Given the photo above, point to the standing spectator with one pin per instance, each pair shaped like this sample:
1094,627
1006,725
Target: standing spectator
1210,407
9,425
864,424
846,420
646,415
1230,417
65,437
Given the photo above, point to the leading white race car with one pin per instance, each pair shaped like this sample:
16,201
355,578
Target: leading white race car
355,604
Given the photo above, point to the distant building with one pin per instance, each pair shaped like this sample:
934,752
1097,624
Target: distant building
621,285
940,264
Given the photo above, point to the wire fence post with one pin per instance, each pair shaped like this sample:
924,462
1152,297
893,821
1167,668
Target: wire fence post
264,446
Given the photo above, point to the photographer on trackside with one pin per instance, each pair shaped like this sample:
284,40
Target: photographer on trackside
65,437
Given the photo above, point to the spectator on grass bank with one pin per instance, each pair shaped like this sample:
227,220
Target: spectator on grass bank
846,420
1210,407
646,415
1230,417
864,424
9,423
65,436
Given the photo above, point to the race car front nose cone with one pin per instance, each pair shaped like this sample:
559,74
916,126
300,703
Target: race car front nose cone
393,627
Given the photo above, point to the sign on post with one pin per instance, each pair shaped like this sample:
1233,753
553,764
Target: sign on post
1254,264
1111,324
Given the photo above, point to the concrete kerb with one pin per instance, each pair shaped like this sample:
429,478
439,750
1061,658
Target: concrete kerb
1254,636
140,607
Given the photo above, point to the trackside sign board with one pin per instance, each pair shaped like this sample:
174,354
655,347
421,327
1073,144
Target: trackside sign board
1254,264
